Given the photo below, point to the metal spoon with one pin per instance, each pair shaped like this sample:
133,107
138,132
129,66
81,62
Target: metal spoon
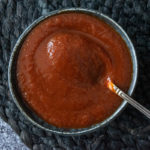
130,100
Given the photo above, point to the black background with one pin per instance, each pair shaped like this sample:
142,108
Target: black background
131,130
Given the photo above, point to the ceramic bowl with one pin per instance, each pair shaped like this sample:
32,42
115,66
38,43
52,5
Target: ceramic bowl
28,113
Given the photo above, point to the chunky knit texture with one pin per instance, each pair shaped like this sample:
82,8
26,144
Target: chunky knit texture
131,130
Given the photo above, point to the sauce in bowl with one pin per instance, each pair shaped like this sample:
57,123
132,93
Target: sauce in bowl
63,66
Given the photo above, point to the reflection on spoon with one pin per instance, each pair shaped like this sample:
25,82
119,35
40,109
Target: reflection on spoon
123,95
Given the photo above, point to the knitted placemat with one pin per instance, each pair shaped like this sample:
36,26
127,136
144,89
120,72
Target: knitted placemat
131,130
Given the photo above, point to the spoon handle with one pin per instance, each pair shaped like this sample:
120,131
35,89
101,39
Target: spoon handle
131,101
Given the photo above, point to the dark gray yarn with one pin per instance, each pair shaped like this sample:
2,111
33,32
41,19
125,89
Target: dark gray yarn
131,130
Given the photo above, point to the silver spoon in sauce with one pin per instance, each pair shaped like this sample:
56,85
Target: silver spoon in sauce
130,100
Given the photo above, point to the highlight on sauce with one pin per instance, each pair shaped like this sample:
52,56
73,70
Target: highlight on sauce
63,66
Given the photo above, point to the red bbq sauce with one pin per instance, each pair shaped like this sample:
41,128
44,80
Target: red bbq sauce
63,66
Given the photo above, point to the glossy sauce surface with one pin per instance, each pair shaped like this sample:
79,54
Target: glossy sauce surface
63,66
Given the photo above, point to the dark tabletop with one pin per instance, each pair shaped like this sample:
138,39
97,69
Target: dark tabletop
129,131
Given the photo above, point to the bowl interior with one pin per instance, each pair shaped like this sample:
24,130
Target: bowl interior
28,112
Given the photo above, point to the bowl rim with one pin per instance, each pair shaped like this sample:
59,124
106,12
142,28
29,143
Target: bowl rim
117,28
